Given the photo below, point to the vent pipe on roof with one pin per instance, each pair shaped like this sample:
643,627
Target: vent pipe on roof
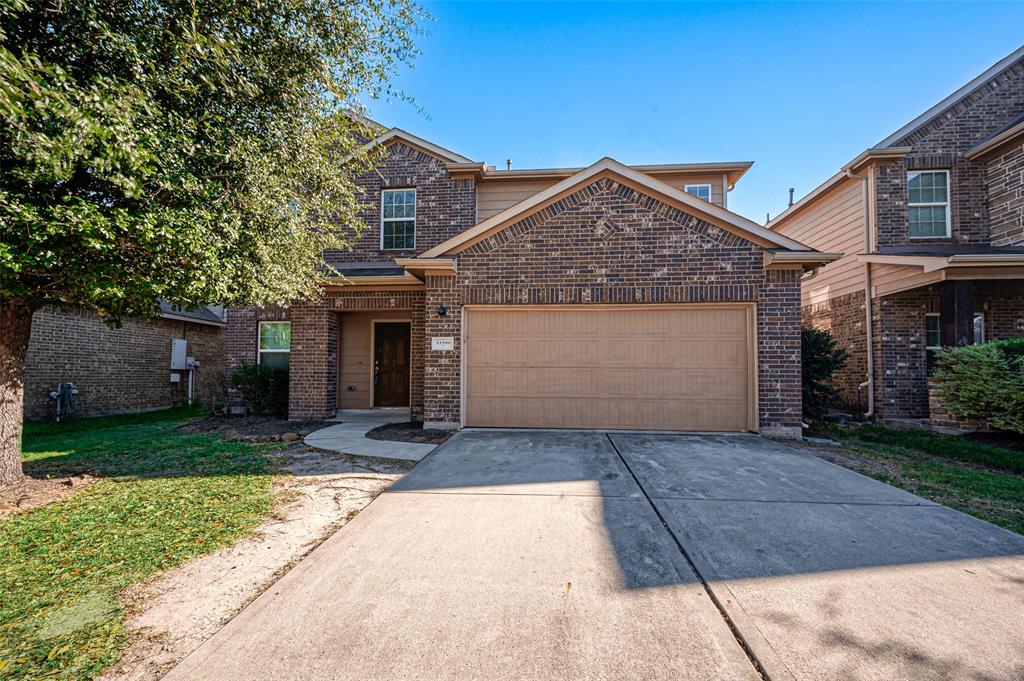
791,196
508,164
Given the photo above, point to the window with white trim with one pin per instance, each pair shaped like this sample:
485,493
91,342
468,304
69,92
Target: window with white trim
928,200
701,191
398,219
932,332
979,328
275,344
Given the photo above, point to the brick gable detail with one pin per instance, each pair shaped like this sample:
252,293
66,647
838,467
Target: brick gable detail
609,244
444,207
941,144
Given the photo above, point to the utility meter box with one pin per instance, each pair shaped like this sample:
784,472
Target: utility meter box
179,354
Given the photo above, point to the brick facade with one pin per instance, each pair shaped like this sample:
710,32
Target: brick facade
444,207
442,375
118,370
900,356
605,243
901,374
1006,195
941,144
608,243
844,318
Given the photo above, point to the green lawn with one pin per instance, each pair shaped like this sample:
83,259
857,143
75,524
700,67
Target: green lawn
165,497
980,479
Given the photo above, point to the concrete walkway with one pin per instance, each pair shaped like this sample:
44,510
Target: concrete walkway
583,555
349,436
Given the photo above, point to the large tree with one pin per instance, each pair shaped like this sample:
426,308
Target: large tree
192,151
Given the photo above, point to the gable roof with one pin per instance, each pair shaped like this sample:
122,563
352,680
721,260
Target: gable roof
949,101
715,215
393,135
1007,133
885,148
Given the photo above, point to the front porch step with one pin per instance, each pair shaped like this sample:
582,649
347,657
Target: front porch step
379,415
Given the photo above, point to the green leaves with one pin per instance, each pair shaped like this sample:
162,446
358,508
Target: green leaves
160,149
984,382
820,359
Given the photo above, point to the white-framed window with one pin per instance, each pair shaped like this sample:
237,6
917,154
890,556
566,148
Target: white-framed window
928,200
275,344
933,331
701,191
398,219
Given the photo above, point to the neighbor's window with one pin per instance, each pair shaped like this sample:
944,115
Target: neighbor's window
701,191
932,332
275,344
929,203
398,219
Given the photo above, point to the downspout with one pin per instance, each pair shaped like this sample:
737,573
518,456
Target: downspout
868,324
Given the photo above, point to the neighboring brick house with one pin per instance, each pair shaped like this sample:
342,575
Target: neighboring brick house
126,369
602,297
931,225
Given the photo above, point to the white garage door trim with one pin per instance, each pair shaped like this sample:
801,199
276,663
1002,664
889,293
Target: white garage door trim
753,415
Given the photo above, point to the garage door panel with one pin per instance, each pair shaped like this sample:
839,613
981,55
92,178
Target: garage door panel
641,367
601,352
653,414
709,383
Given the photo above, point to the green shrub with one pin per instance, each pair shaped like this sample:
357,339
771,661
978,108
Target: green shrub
984,382
820,359
265,389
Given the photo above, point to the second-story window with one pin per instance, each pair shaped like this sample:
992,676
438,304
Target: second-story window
929,204
701,191
398,219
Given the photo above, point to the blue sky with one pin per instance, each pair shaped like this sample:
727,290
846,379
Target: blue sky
797,88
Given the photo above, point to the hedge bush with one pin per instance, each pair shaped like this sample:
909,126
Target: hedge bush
265,389
820,359
984,382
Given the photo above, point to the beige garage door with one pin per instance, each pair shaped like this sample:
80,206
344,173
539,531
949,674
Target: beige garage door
642,367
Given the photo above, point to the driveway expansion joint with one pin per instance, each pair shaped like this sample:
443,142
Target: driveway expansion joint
737,634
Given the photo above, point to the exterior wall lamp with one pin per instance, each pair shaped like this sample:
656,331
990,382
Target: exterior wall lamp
442,311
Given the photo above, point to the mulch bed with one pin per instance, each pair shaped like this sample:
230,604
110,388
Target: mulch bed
253,428
411,431
33,492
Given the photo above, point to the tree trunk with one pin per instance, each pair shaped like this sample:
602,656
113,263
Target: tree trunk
15,328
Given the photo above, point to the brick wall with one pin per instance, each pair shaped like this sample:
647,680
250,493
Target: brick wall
608,243
778,336
316,345
901,372
313,367
442,376
444,207
940,144
843,317
1006,195
117,370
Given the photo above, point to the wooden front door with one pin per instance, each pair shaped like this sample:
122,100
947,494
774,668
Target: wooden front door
391,364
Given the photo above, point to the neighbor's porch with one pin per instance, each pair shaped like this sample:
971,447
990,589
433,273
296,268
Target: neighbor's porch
911,326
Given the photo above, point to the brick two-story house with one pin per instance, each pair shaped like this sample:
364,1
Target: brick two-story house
931,225
609,296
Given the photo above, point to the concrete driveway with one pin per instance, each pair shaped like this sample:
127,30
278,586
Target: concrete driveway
583,555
